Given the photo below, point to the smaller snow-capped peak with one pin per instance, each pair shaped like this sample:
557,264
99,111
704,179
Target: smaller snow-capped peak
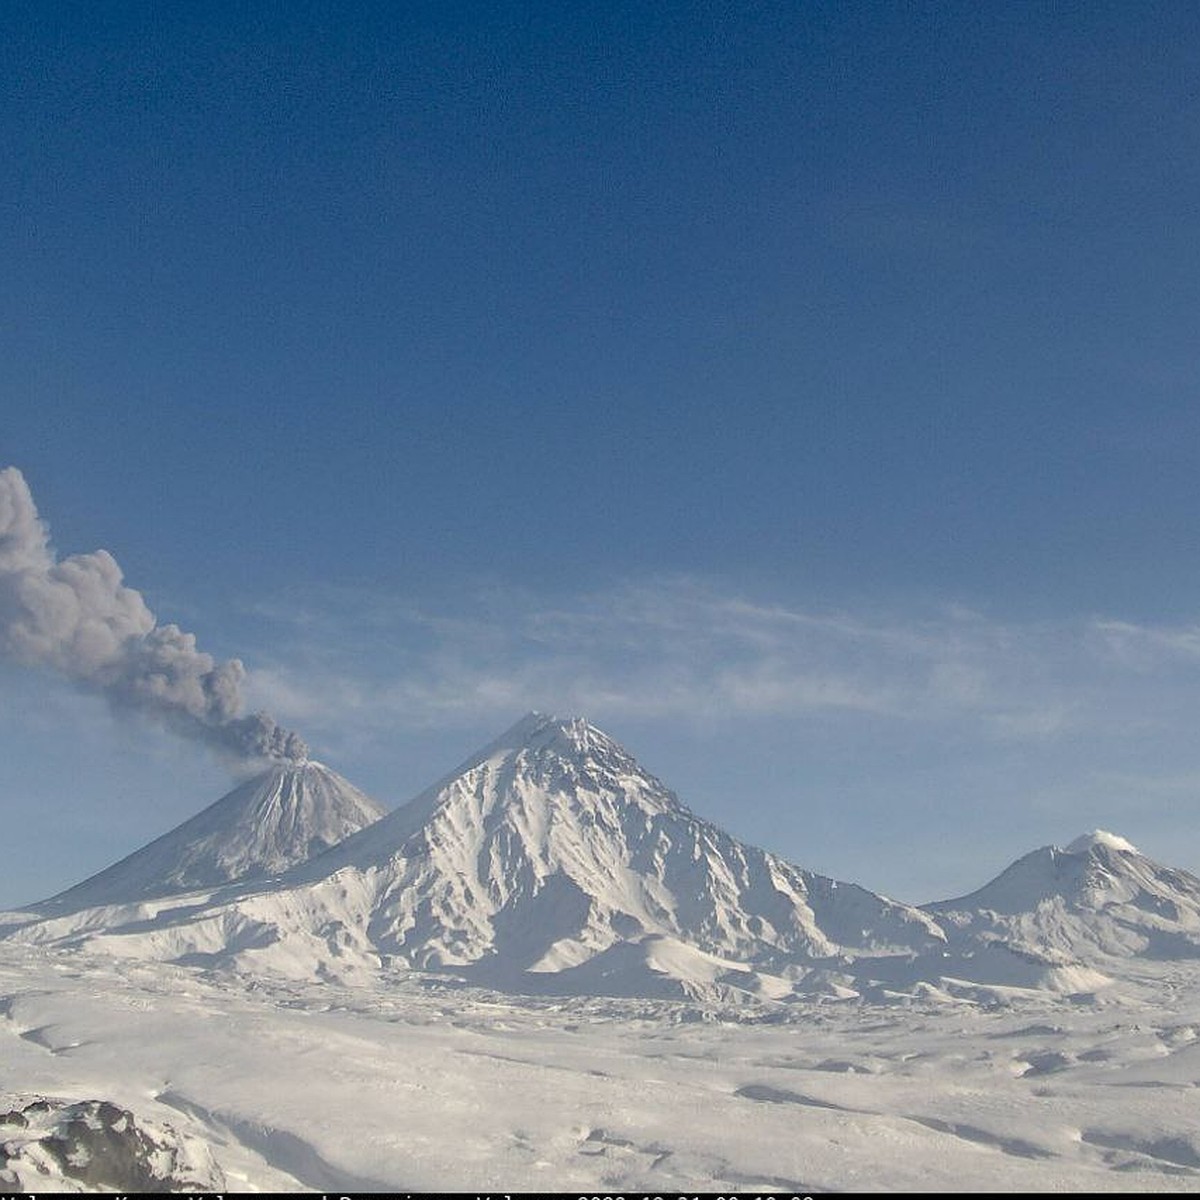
1078,873
270,822
1101,837
1099,895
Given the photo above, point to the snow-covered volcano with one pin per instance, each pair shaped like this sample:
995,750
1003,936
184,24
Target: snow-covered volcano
552,845
264,826
550,860
1097,897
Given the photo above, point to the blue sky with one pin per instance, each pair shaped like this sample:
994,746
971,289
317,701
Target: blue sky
805,393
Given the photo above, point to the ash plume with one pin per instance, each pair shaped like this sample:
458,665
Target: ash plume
76,616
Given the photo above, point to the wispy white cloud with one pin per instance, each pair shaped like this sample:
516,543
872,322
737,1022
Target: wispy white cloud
686,649
1146,647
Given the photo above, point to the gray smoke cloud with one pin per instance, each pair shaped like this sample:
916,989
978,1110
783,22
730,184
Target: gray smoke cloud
76,616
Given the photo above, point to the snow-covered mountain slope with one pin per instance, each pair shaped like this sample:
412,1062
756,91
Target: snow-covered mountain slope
264,826
1069,921
1098,898
548,860
553,844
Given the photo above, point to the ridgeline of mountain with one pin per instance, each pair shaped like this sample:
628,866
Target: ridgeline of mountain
549,861
1097,898
260,829
552,845
552,862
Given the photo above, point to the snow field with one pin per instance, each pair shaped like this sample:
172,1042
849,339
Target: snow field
417,1084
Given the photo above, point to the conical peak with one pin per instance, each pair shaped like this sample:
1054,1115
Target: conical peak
263,770
534,725
542,762
295,767
297,774
566,735
542,765
1087,842
295,778
268,823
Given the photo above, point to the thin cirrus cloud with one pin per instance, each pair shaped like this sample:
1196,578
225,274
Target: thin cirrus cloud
1147,648
683,649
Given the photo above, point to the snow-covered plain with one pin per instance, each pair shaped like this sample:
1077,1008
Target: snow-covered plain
417,1083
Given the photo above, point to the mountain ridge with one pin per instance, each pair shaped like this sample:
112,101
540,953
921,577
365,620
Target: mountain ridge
1099,896
550,860
547,850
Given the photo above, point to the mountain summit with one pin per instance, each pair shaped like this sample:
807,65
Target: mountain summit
267,824
1098,896
552,846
